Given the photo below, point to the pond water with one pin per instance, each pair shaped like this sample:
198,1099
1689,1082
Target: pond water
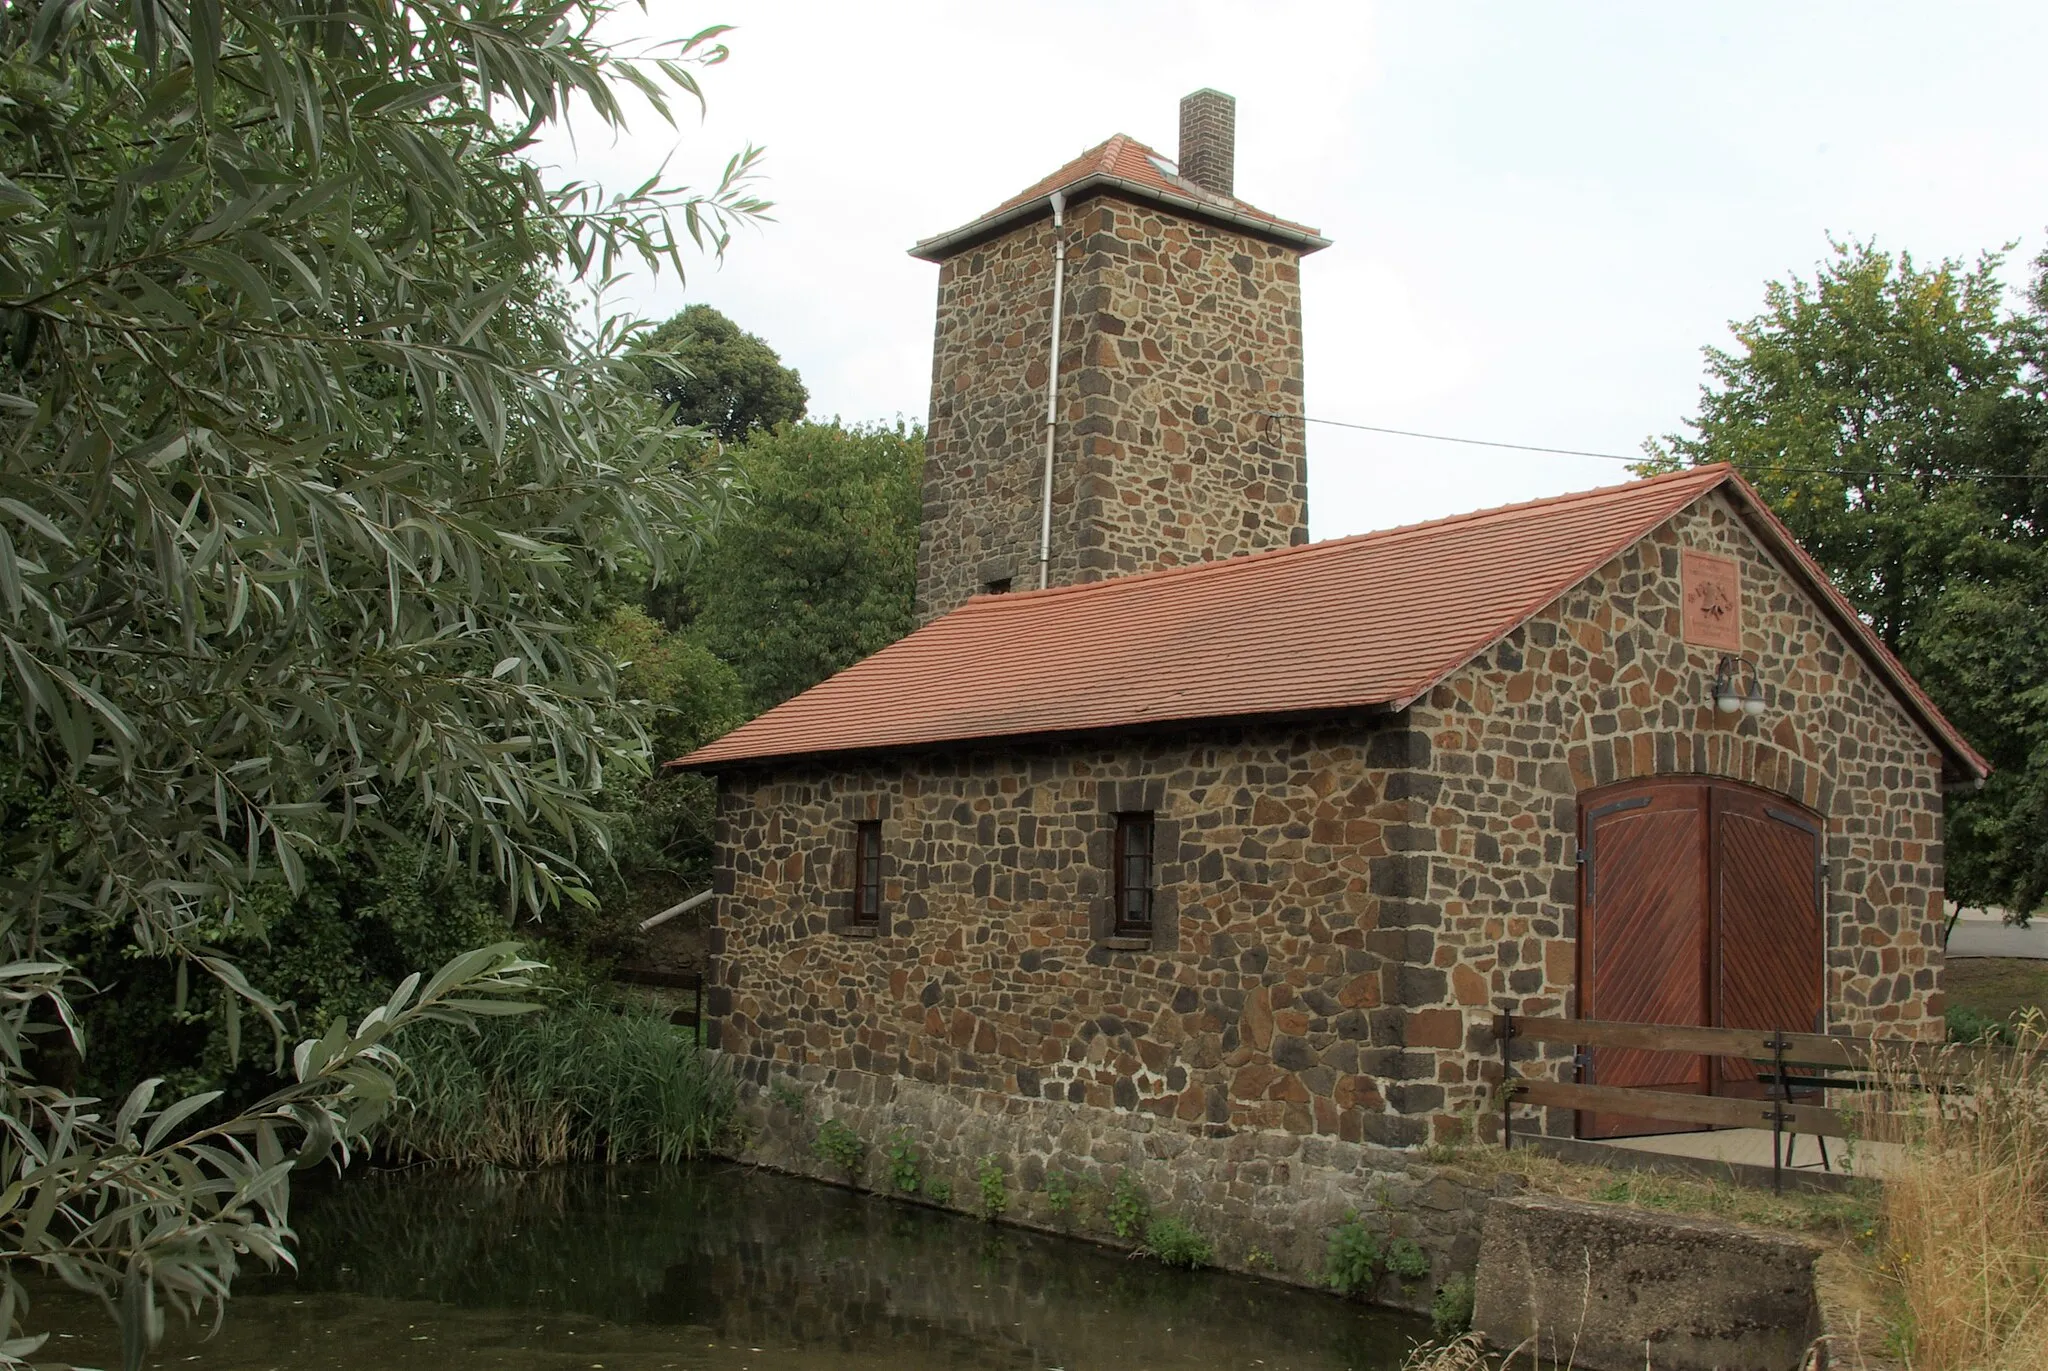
723,1268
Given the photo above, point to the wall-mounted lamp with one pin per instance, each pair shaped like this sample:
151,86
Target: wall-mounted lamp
1736,687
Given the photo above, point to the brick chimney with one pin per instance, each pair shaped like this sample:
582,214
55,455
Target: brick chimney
1208,140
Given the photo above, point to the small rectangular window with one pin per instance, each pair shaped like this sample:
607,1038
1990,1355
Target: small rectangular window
1133,875
1001,587
867,874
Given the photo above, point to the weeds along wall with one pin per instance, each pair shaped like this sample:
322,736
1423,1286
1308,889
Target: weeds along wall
1267,1202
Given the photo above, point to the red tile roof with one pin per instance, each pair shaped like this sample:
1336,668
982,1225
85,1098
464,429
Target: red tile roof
1354,623
1128,165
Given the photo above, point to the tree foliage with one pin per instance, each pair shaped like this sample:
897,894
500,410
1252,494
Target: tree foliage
662,829
1895,417
307,483
815,568
707,372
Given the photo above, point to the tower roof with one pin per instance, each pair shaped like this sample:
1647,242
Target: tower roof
1124,165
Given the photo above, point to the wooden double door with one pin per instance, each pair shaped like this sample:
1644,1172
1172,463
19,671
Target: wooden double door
1700,903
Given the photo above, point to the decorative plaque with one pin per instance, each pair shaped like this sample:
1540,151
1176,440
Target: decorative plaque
1712,589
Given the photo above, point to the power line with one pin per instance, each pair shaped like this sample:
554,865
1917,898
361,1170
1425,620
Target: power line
1447,438
1619,457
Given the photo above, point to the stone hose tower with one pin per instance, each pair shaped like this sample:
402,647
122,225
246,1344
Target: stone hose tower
1180,337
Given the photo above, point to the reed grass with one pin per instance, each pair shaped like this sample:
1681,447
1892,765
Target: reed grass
583,1080
1963,1241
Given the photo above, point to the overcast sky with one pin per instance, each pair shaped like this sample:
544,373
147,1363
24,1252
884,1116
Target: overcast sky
1540,212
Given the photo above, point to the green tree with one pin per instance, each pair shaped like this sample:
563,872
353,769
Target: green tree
662,831
309,481
815,569
1894,417
708,373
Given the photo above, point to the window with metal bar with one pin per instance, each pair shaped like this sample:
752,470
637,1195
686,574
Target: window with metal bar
867,874
1133,860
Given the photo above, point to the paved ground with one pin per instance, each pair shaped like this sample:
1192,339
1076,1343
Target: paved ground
1753,1145
1984,933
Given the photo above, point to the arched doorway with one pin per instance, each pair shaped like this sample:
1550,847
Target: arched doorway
1700,902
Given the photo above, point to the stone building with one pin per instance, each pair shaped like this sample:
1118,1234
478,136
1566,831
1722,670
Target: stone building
1226,848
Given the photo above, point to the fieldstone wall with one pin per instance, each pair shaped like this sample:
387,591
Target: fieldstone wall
1265,998
984,437
1600,688
1177,338
1267,1199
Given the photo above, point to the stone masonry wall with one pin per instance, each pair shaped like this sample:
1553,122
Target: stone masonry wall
1193,336
985,433
1267,1199
1599,688
1264,998
1177,337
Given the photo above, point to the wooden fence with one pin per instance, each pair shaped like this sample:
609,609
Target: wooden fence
1793,1064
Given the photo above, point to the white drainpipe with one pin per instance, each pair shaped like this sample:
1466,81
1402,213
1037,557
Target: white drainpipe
685,907
1052,387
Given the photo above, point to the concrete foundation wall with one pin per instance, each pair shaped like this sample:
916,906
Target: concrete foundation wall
1604,1288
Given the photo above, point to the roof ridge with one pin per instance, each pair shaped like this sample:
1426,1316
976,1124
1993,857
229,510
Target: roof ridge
1218,565
1124,164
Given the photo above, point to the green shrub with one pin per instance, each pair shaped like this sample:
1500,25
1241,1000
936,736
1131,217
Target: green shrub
1059,1193
1174,1243
1450,1313
1129,1210
1406,1259
784,1093
585,1080
1353,1266
840,1146
938,1190
906,1163
1967,1025
994,1187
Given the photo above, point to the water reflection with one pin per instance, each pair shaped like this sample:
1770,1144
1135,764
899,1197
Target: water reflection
722,1267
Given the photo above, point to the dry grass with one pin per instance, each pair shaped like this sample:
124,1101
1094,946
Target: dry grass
1459,1354
1963,1251
1831,1216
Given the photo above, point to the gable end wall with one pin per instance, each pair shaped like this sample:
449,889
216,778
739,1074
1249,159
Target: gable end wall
1599,688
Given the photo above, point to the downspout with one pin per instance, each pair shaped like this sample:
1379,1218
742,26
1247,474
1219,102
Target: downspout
1052,387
